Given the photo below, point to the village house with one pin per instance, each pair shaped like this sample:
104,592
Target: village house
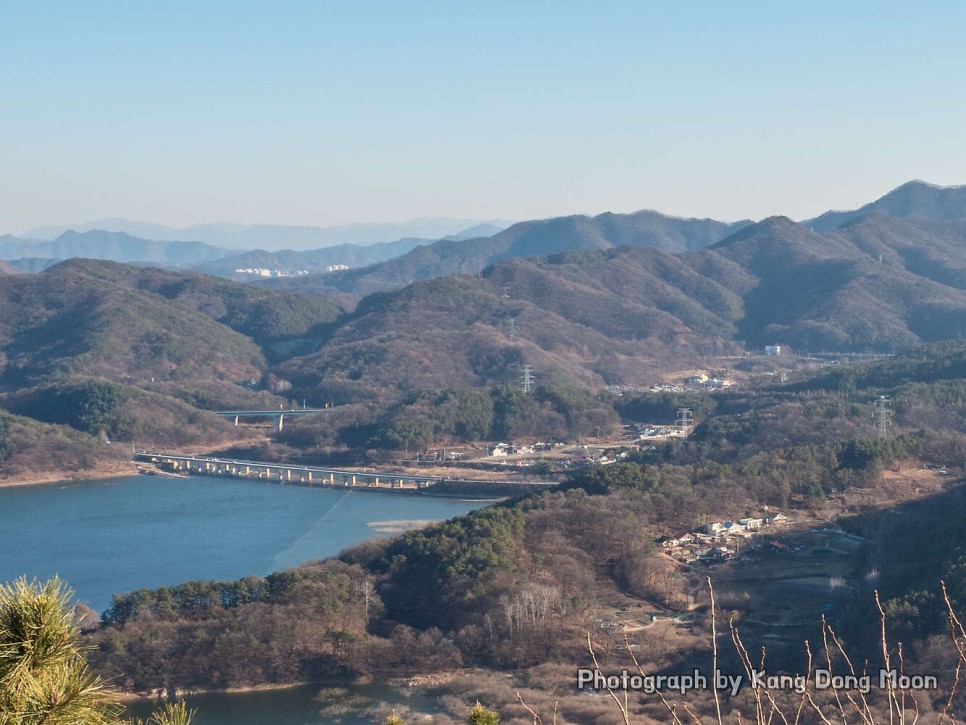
669,542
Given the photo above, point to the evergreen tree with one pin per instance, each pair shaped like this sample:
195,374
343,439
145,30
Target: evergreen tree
43,676
479,715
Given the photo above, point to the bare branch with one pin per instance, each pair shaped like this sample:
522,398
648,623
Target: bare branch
894,706
714,650
536,718
954,624
621,706
675,719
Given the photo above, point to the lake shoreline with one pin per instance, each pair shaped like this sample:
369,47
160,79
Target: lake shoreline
161,697
97,473
419,681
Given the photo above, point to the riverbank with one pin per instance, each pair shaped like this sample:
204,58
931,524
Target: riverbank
159,696
416,682
350,704
106,469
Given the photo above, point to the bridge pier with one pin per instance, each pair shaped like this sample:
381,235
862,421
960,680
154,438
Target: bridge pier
281,473
281,422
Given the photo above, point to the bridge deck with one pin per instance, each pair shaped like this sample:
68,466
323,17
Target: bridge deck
317,475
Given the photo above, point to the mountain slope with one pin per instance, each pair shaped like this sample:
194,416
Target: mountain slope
830,292
932,249
912,199
526,239
601,316
87,317
588,318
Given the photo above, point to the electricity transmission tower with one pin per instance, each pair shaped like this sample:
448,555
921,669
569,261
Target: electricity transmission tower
527,378
684,418
882,415
512,329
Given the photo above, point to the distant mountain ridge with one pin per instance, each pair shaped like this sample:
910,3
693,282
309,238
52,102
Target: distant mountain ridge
525,239
115,246
274,236
914,199
34,255
408,257
242,267
615,315
289,262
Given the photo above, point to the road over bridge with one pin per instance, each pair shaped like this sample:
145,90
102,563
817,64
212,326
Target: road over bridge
335,477
277,415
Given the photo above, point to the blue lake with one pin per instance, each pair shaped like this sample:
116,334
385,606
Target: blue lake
307,705
117,535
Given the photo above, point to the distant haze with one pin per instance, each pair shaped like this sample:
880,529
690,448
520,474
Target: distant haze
275,237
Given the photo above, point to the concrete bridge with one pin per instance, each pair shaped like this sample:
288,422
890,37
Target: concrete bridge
333,477
277,415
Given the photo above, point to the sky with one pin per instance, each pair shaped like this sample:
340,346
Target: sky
327,113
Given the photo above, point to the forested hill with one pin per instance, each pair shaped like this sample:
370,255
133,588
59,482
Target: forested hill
839,291
615,315
589,317
130,354
526,239
516,587
93,317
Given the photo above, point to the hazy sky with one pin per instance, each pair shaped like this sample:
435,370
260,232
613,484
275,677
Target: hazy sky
326,113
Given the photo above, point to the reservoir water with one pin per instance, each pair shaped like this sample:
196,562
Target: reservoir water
118,535
307,705
112,536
